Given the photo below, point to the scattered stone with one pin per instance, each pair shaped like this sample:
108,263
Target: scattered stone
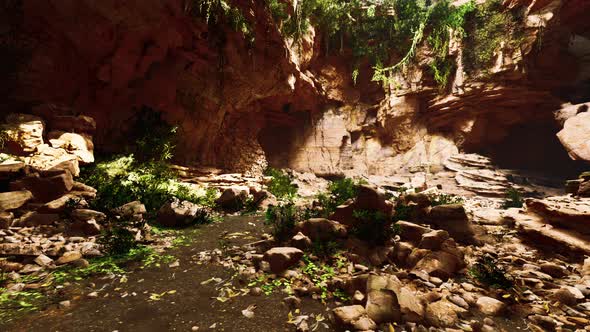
131,209
300,241
281,258
6,219
64,304
554,270
353,317
433,240
68,257
43,260
180,213
382,306
92,295
568,295
321,229
442,314
232,199
292,302
490,306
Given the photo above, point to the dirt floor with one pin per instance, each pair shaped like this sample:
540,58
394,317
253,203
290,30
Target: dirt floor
188,301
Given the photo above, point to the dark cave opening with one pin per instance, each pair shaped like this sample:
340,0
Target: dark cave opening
533,148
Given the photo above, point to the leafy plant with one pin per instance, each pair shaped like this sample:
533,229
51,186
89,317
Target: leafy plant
513,199
281,184
282,219
373,227
444,199
218,12
3,138
487,271
320,275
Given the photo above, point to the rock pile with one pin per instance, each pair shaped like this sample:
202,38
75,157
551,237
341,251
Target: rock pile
44,220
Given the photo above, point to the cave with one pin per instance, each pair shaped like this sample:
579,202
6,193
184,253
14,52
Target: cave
533,149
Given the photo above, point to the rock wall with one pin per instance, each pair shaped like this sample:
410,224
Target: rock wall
240,106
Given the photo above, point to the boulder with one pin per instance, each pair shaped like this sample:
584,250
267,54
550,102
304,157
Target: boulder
85,227
320,229
24,133
440,264
453,219
14,199
575,136
490,306
131,209
410,304
6,219
412,232
232,199
443,314
68,257
180,213
45,189
353,317
38,219
434,239
43,260
584,189
20,249
568,295
281,258
382,306
300,241
79,145
86,215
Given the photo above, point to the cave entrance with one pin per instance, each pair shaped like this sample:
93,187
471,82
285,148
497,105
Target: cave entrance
281,135
534,149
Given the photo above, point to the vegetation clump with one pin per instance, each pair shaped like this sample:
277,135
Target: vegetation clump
513,199
281,184
488,272
374,227
489,28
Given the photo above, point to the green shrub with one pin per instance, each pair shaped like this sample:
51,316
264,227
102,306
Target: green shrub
373,227
3,138
117,240
444,199
338,193
218,12
281,184
513,199
282,219
488,272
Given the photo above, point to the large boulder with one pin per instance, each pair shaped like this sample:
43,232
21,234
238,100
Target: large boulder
180,213
70,123
281,258
24,133
79,145
354,318
382,306
233,198
6,219
14,199
453,219
575,136
320,229
46,189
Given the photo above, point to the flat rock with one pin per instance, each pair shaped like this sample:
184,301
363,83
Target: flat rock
490,306
14,199
442,314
